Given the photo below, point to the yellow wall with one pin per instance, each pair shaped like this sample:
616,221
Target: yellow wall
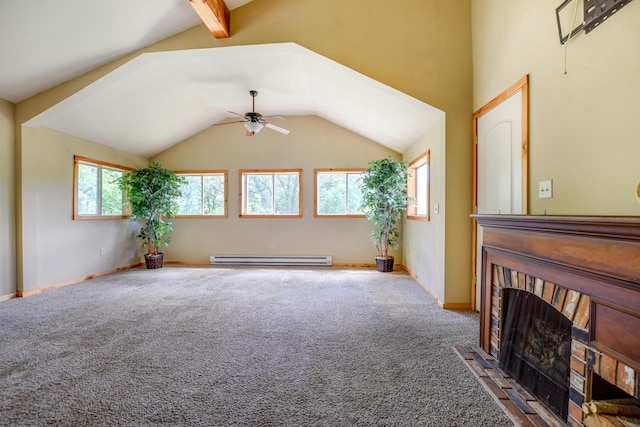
313,143
420,47
584,124
7,201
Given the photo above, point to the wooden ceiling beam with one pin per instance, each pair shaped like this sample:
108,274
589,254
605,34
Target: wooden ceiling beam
215,15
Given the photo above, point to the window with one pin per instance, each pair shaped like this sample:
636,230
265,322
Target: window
96,193
271,193
204,194
418,187
338,193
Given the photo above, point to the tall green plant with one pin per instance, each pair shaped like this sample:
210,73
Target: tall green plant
152,194
384,199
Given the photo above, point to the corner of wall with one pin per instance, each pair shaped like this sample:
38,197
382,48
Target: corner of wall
8,197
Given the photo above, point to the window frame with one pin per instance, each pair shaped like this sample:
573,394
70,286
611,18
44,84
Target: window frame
203,173
316,205
77,160
242,193
424,159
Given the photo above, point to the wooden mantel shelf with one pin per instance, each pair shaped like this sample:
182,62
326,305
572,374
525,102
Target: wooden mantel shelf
624,227
601,245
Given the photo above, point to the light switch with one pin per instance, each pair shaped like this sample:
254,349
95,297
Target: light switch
545,189
436,208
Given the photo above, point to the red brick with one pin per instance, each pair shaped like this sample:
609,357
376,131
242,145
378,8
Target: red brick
578,350
516,414
500,276
626,379
597,364
538,287
547,293
495,301
575,411
608,368
578,365
498,378
495,389
495,312
572,422
578,382
571,304
581,318
558,298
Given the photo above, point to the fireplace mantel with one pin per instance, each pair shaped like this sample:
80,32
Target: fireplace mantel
593,265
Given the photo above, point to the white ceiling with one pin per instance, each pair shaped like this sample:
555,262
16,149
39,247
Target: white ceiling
46,42
159,99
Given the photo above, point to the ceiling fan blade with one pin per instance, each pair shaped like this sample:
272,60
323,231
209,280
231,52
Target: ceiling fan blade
228,123
273,117
276,128
237,114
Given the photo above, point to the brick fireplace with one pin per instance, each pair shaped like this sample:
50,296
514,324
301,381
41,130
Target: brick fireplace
586,268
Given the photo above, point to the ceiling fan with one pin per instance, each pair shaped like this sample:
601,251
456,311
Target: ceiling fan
254,121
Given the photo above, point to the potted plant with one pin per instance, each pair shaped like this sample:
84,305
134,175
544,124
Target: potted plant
384,199
152,195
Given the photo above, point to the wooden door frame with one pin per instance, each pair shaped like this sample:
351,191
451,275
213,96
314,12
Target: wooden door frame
522,84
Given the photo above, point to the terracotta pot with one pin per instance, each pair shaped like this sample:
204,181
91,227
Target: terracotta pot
384,264
154,261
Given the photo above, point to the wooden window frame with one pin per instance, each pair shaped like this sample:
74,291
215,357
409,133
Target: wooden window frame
76,162
316,172
421,160
241,201
203,173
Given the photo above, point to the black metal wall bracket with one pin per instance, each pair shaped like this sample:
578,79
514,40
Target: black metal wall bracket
595,12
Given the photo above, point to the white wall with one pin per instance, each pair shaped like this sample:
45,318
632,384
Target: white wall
7,201
55,248
424,242
584,131
313,143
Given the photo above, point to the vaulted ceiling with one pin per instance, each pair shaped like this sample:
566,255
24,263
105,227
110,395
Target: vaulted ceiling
159,99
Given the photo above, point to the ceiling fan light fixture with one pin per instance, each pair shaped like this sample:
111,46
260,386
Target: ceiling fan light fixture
253,127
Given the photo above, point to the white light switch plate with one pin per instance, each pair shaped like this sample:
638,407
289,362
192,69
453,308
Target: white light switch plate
545,189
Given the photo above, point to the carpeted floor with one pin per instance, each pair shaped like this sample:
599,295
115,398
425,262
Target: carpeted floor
211,346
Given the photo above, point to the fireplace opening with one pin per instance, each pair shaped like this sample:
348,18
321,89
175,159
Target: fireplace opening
602,389
535,348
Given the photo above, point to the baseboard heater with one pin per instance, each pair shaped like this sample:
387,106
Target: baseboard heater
312,260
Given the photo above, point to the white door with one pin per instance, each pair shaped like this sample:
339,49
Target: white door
501,162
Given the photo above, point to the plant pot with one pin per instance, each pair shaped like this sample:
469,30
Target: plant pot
384,264
153,261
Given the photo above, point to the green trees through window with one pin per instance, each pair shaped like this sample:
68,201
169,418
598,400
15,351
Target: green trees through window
96,192
204,194
338,192
263,192
271,193
418,187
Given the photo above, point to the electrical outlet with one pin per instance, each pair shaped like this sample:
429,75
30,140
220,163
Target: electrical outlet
102,251
545,189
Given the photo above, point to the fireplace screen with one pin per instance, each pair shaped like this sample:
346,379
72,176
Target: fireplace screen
535,348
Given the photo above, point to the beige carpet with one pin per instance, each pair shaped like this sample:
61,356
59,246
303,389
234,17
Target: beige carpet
216,346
